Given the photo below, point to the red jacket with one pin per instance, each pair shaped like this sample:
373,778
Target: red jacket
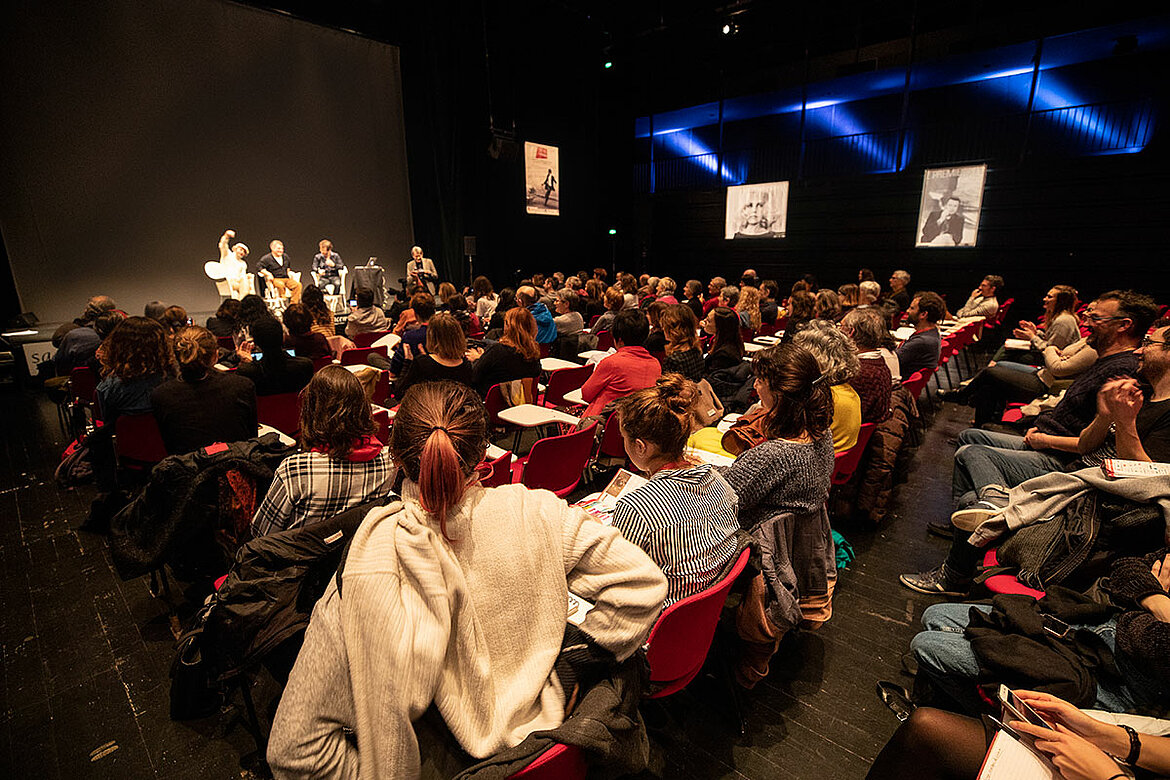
627,370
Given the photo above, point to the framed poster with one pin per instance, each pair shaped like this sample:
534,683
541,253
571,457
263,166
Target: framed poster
757,211
948,215
542,179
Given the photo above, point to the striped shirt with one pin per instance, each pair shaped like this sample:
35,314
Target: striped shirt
310,487
685,519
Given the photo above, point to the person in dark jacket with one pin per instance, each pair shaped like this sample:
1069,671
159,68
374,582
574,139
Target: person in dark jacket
443,357
275,371
225,322
305,342
726,347
515,356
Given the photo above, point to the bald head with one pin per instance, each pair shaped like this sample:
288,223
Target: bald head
526,295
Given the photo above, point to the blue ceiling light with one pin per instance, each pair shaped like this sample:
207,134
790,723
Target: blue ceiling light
688,147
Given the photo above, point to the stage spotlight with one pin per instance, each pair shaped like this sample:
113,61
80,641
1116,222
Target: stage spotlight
608,64
730,28
613,231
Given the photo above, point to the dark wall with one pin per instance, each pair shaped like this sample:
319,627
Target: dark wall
134,134
1091,222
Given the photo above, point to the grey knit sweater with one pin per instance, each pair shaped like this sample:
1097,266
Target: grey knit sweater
781,476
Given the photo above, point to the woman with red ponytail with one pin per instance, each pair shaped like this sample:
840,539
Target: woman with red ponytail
457,596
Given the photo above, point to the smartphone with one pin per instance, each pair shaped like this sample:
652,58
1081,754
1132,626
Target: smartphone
353,302
1018,709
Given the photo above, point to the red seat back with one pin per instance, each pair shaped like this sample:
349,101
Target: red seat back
137,438
282,411
564,380
495,401
559,762
366,339
557,462
681,637
917,381
83,384
612,445
226,342
500,472
382,421
847,461
593,321
321,362
357,357
545,350
604,340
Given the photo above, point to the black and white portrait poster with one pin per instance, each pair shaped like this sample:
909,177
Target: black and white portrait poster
757,210
951,200
542,178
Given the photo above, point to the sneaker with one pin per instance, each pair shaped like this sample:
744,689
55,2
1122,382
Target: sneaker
970,518
945,530
934,582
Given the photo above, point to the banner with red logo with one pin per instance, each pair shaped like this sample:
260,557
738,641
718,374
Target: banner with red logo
542,179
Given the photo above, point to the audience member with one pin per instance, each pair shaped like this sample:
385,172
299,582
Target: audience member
665,290
748,308
630,368
77,341
485,298
491,657
507,301
174,319
714,288
827,306
693,297
594,300
341,464
921,351
899,294
615,301
770,302
848,296
685,518
225,322
414,336
726,347
869,293
839,366
684,354
515,356
154,310
982,302
867,330
202,405
569,321
314,300
655,340
443,357
546,328
272,369
801,310
304,341
366,317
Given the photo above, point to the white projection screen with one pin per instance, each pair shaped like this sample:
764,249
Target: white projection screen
134,133
757,211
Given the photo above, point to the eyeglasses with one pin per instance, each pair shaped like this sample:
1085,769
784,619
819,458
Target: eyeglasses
1147,341
1103,318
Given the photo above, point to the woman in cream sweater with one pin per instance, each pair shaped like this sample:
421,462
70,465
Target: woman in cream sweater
455,596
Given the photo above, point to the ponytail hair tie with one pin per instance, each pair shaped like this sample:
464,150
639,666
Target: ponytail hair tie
440,428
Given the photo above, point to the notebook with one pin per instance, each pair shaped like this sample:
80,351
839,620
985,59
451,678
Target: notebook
1008,759
1116,467
601,505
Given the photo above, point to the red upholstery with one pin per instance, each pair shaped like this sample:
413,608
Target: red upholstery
604,340
500,473
545,350
556,463
83,384
846,462
682,635
366,339
138,440
1006,583
495,402
383,422
1013,414
357,357
227,342
593,321
612,444
321,362
282,411
917,381
564,380
559,762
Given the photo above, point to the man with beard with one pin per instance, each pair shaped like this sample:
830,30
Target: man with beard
988,463
1128,424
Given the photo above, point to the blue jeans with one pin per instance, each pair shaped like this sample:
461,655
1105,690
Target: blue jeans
991,459
945,655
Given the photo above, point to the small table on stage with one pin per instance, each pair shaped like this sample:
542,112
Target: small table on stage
533,416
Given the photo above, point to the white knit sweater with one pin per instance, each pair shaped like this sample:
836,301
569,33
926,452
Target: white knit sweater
473,625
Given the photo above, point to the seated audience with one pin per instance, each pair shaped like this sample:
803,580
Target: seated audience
515,356
839,365
274,371
301,339
414,336
655,340
684,354
203,405
443,357
1060,327
685,518
594,300
827,306
225,322
431,585
729,296
801,310
982,301
869,293
665,290
726,347
787,471
921,351
366,317
341,464
630,368
848,294
485,298
615,301
770,302
867,330
899,294
507,300
154,310
77,341
569,321
748,309
546,329
714,288
322,316
693,297
456,306
174,319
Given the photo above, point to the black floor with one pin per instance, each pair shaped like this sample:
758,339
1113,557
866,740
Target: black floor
86,656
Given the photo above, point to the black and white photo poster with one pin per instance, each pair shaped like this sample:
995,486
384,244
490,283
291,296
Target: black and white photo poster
542,178
757,210
951,200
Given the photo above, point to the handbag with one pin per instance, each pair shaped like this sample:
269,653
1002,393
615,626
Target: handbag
707,409
194,691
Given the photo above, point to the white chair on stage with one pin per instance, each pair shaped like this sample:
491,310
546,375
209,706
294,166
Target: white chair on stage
276,303
335,299
215,273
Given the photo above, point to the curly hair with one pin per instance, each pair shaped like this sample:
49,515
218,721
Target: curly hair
803,402
314,300
660,415
832,349
679,325
335,413
749,303
137,347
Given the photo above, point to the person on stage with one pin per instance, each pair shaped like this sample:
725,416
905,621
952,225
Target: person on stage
235,269
328,266
274,268
420,271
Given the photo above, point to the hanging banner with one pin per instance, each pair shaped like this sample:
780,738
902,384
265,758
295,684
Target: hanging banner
951,200
757,210
542,178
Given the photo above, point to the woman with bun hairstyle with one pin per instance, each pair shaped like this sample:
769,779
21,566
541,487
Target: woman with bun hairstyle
456,596
685,517
341,464
202,405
